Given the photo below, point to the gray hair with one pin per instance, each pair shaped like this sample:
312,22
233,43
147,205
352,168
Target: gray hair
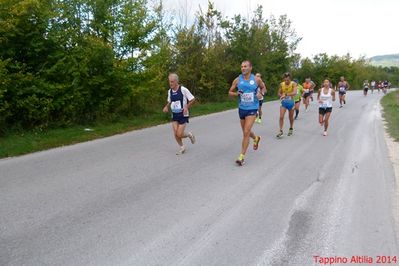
174,76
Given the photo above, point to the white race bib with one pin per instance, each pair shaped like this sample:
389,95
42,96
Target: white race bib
342,89
306,90
247,97
324,104
176,107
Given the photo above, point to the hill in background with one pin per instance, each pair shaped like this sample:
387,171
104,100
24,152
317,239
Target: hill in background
385,60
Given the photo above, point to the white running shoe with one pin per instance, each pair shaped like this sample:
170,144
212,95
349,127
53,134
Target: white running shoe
181,150
325,133
191,137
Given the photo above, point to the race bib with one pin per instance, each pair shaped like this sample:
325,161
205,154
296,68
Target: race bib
247,97
306,90
324,104
176,107
342,89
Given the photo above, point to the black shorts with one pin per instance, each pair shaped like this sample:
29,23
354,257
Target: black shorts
323,111
297,101
180,119
260,103
244,113
342,93
306,95
365,89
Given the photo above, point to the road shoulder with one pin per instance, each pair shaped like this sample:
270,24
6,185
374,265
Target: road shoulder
393,149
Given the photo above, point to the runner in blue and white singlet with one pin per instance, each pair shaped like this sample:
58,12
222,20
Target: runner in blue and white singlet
325,98
249,89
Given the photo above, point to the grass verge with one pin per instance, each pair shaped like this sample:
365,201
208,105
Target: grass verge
390,103
18,143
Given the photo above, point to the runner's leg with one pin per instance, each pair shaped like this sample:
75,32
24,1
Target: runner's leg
246,125
281,121
326,121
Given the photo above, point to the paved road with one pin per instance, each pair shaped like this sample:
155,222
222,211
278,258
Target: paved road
128,200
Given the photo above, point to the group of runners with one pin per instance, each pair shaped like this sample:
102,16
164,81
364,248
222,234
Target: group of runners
250,90
380,85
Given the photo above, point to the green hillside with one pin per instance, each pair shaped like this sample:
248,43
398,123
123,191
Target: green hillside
385,60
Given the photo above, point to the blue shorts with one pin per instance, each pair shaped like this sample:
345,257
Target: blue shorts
287,104
244,113
180,119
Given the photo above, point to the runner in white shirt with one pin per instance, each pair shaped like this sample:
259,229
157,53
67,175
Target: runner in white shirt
180,100
325,98
372,86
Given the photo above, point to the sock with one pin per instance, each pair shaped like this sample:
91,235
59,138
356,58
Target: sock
296,113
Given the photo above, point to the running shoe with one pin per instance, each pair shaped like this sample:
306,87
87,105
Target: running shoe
290,132
280,134
191,137
256,142
181,150
240,160
325,133
259,121
340,106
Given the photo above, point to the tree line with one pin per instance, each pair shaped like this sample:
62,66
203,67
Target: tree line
65,62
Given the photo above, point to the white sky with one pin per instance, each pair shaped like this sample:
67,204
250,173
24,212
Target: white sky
336,27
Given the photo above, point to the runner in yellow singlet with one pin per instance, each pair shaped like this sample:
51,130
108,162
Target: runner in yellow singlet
287,92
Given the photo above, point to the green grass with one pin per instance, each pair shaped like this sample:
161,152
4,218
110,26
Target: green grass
18,143
390,103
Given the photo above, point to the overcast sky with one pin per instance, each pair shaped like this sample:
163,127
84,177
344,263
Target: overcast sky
336,27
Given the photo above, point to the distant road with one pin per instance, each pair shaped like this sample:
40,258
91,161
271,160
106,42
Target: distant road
129,200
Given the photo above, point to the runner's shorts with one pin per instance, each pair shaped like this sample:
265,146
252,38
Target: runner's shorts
180,119
287,104
244,113
323,111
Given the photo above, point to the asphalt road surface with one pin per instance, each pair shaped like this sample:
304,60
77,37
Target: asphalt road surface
129,200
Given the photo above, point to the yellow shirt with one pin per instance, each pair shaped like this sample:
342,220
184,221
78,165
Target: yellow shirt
287,89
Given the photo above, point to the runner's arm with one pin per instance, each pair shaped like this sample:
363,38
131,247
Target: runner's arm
233,87
280,92
333,95
313,85
190,100
166,108
295,91
262,87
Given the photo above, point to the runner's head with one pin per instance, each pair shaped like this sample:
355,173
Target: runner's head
246,67
342,78
326,83
287,77
173,80
258,75
307,80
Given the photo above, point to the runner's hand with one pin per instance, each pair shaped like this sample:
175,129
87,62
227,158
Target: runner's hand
165,109
185,110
